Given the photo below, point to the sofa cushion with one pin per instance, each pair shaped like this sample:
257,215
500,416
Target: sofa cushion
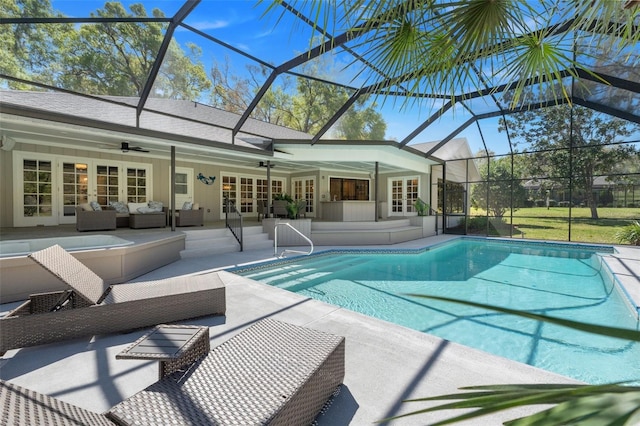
133,207
146,209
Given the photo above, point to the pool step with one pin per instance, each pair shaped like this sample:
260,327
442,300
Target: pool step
206,242
314,271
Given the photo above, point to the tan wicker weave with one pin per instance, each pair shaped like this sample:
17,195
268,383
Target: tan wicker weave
101,220
100,309
190,217
23,407
272,373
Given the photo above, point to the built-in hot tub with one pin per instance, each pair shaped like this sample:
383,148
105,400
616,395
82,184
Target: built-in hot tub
81,242
114,259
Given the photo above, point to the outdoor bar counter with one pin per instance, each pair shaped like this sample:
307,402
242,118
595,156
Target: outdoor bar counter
348,211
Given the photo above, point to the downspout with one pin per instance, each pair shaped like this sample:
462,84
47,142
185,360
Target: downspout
375,184
173,188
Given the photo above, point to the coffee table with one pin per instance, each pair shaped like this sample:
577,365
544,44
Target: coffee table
174,346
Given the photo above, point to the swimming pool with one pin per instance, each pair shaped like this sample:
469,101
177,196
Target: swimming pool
547,278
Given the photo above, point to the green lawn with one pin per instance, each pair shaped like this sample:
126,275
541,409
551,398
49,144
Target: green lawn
553,224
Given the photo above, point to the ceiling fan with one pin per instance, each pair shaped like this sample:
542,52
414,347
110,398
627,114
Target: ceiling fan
125,147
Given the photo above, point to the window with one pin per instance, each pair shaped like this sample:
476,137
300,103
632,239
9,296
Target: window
349,189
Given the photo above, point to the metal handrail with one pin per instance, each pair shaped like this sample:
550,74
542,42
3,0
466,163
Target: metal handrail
234,223
275,241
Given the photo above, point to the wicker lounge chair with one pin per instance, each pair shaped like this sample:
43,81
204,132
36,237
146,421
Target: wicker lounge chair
91,307
272,373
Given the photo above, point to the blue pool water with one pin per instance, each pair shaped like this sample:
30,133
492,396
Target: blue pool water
561,282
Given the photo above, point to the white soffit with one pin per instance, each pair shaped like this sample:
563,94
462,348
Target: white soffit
392,156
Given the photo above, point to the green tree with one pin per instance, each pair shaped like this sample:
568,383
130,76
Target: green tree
361,122
570,144
498,192
304,104
116,58
27,51
234,92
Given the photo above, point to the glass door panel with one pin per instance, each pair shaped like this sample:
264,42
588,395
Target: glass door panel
37,189
75,189
229,191
246,195
136,185
397,195
107,184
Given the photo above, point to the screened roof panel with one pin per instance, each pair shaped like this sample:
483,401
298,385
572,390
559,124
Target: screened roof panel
244,26
239,37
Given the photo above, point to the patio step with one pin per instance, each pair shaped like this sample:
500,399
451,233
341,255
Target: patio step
206,242
364,233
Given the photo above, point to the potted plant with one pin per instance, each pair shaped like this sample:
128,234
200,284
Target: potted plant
421,207
292,209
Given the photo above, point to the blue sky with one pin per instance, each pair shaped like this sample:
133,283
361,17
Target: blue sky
241,24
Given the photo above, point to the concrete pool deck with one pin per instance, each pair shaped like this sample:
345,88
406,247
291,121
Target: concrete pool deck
385,363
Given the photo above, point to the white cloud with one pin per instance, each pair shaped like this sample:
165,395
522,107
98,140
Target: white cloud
210,25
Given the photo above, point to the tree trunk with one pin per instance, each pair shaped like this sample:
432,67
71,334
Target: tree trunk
591,200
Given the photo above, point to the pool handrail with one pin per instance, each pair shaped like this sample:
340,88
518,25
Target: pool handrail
275,241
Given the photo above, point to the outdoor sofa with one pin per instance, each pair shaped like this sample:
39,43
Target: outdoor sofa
271,373
99,220
91,307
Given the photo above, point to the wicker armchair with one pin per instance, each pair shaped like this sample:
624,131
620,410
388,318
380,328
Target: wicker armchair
190,217
100,220
280,208
91,307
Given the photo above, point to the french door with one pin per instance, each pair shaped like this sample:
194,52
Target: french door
247,191
184,186
304,189
403,193
47,188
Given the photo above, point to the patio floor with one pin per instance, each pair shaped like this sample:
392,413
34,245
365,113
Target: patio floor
385,363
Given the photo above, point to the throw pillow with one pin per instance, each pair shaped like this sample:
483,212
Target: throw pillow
156,206
86,207
195,206
188,205
95,206
119,207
